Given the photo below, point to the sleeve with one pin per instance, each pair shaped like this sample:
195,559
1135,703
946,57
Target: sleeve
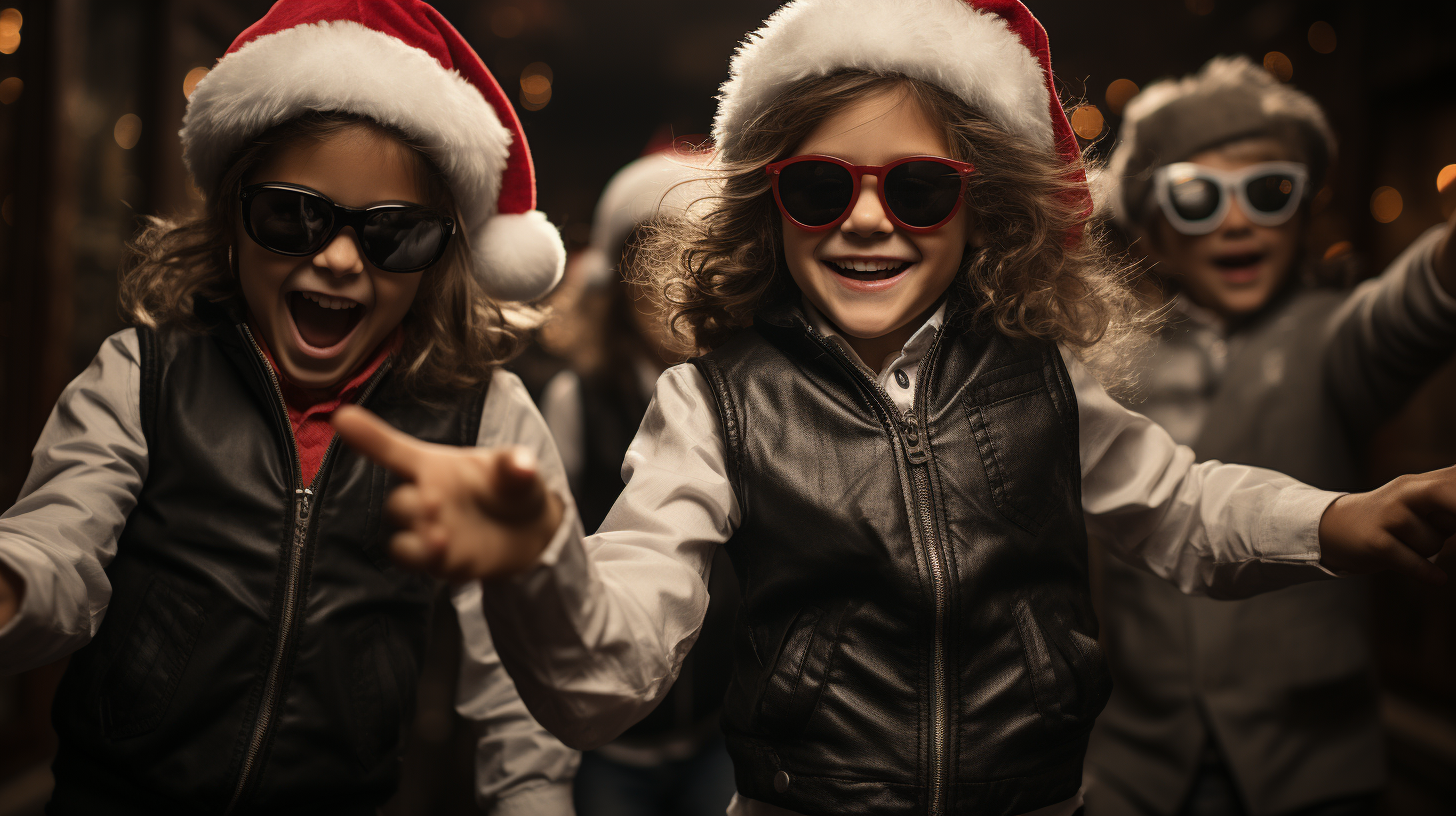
561,408
520,769
1228,531
594,635
86,472
1391,334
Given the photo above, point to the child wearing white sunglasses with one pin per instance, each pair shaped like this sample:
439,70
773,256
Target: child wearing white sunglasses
1266,704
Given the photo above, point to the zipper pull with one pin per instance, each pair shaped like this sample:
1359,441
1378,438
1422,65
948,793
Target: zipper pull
915,450
304,496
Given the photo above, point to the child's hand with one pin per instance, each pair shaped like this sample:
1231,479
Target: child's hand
12,591
464,513
1397,526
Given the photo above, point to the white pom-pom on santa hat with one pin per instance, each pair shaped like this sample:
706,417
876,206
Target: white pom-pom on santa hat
400,63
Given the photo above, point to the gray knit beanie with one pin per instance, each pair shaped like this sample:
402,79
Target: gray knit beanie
1230,98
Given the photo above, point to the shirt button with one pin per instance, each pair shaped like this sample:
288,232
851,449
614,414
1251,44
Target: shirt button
901,378
781,781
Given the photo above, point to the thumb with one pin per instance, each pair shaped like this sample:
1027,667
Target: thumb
515,479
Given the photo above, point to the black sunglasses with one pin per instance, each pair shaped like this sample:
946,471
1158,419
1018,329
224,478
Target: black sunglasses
293,220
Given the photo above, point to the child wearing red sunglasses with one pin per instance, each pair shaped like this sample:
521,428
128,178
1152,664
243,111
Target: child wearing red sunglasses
1267,705
895,435
213,562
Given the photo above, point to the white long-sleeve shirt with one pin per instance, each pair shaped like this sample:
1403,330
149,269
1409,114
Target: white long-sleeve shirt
594,634
88,469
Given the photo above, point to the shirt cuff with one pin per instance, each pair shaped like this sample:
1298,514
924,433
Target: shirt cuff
1288,531
552,799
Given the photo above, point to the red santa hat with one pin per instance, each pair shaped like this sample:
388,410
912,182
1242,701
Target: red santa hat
399,63
993,54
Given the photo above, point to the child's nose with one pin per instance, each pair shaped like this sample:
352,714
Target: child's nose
868,215
1236,220
341,256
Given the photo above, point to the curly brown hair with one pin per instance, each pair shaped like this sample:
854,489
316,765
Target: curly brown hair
454,334
716,270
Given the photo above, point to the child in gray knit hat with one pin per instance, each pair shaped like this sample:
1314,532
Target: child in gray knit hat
1266,705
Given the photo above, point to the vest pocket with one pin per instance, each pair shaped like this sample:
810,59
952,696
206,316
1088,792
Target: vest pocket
1019,436
138,686
378,690
1067,673
792,685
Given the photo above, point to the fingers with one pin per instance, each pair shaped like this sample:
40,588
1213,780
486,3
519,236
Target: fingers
377,440
1404,560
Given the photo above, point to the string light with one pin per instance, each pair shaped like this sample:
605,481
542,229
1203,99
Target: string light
536,81
1339,249
1278,64
1322,37
1087,121
1444,179
189,82
1386,204
10,22
1119,93
128,131
10,89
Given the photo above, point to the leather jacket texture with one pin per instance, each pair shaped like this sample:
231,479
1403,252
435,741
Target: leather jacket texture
260,651
917,634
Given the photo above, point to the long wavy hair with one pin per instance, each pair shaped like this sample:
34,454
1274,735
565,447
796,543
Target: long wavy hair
720,267
454,334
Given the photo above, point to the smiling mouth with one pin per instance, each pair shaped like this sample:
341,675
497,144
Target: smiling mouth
1238,263
322,321
867,270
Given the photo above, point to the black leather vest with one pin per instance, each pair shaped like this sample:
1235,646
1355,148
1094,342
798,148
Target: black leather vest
918,633
612,410
260,651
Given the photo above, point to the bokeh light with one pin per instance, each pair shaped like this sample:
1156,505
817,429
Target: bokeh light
1386,204
128,131
1276,63
10,22
10,89
1119,93
1199,7
189,82
536,81
1087,121
1444,179
1339,249
507,22
1322,37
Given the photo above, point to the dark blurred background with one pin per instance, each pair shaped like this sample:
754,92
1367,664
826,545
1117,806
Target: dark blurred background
92,94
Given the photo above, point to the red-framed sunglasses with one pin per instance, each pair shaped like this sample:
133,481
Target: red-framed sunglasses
919,193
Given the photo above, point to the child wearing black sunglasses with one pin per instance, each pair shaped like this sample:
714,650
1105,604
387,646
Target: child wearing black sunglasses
894,435
191,531
1269,703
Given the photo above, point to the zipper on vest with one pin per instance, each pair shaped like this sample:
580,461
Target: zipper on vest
909,427
303,498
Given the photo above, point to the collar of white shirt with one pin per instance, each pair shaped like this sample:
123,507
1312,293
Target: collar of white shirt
909,355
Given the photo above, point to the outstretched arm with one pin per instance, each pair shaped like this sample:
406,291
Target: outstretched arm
1393,332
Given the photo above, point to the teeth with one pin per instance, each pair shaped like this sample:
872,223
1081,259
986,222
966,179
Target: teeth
329,302
863,265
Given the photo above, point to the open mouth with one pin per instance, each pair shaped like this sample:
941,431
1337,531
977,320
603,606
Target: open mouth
1238,262
867,270
323,323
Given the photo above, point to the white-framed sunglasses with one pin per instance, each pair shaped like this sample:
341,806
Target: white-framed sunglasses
1196,198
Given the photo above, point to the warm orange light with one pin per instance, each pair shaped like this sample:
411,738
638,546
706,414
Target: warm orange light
1279,65
1119,93
10,89
536,86
10,22
1386,204
1444,179
507,22
128,131
189,82
1087,121
1339,249
1322,37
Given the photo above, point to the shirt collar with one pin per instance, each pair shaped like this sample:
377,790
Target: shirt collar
913,349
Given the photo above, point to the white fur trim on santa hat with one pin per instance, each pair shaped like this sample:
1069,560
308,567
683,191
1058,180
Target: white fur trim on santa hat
970,53
345,66
519,256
